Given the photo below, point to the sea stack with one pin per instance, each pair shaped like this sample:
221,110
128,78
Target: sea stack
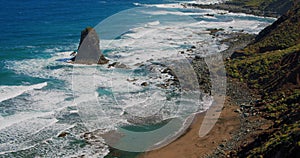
89,49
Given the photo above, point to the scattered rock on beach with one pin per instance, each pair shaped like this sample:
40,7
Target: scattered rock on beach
132,80
246,114
118,65
144,84
238,111
209,14
244,105
63,134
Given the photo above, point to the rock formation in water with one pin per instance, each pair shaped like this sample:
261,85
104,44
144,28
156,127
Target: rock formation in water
89,50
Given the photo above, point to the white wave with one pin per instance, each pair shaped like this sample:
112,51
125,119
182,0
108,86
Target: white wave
174,5
156,40
207,1
137,4
43,67
8,92
11,120
38,104
180,5
30,133
153,23
249,15
165,12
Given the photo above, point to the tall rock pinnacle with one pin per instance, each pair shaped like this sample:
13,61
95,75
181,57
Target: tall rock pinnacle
89,50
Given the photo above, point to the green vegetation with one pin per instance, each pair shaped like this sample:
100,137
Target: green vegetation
272,60
262,70
279,6
273,8
282,34
271,64
285,140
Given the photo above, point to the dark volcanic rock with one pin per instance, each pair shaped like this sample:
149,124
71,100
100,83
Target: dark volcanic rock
271,67
144,84
273,8
63,134
89,50
118,65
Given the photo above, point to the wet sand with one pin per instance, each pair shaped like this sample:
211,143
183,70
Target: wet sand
191,145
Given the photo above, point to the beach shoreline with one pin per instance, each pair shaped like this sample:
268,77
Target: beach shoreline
191,145
232,127
254,132
229,124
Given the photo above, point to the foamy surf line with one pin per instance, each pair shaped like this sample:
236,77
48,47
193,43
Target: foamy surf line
140,38
9,92
180,5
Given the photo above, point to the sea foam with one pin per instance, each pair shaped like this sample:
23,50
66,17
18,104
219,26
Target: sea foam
9,92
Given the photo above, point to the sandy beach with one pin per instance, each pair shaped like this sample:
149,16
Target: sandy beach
190,145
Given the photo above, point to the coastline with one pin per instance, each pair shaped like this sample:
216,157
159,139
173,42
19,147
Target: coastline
268,122
264,9
191,145
49,108
229,125
235,126
234,9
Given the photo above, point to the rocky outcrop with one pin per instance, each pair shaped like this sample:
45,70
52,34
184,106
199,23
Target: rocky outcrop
282,34
271,66
118,65
89,50
272,60
272,8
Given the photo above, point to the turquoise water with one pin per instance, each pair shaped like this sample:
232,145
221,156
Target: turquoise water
40,97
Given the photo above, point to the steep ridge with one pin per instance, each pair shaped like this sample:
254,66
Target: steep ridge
271,65
273,8
272,60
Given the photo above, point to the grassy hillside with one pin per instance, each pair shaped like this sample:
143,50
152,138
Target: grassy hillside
282,34
271,64
279,6
272,60
273,8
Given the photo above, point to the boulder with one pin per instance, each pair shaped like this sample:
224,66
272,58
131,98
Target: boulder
89,49
63,134
144,84
118,65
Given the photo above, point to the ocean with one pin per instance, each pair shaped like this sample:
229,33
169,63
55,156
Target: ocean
40,98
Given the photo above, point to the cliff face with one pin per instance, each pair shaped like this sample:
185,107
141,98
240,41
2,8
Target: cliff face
278,6
89,50
282,34
272,8
272,60
271,64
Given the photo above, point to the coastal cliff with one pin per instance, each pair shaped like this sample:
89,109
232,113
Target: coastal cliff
266,126
271,66
273,8
271,61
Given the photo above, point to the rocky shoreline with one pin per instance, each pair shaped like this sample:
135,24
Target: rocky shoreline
234,41
238,101
255,131
233,8
272,9
264,127
237,98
